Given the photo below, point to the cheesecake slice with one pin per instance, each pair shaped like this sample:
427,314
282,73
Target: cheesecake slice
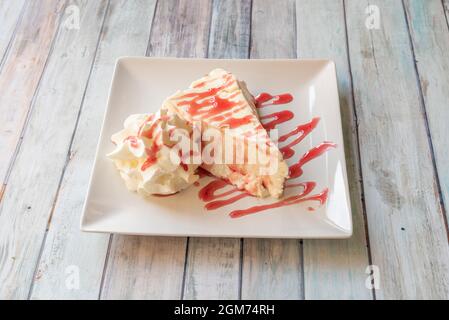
250,161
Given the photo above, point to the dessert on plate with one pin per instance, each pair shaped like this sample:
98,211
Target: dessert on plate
218,103
221,101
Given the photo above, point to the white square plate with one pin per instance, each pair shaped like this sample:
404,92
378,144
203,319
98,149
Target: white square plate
141,84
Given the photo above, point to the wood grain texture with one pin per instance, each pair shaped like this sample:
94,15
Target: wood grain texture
335,269
429,33
230,29
213,264
180,29
213,269
28,200
272,268
10,14
273,29
21,71
137,265
22,225
406,226
125,32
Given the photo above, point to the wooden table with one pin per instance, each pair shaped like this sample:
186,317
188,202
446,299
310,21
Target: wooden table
392,59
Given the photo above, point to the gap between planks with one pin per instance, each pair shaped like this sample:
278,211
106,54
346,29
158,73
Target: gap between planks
426,117
69,153
13,35
122,27
36,90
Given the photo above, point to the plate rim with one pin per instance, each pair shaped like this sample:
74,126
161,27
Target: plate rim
340,233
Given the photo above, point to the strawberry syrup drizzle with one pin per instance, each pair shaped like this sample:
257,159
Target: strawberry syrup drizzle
302,131
209,192
233,123
152,156
263,98
200,100
296,170
279,117
321,198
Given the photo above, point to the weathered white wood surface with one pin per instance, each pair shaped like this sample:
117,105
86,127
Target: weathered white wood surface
53,122
125,32
21,71
180,29
54,83
335,269
213,265
408,238
22,223
213,269
272,268
10,14
144,268
230,29
429,33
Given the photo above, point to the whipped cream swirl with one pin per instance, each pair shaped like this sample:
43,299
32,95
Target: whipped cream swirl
145,151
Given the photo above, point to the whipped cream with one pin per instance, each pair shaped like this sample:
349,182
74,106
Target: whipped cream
146,157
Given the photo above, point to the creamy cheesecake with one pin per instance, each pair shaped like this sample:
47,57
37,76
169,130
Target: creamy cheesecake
220,101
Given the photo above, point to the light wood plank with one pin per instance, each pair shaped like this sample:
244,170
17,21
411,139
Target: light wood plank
406,227
137,265
22,70
21,226
213,268
230,29
335,269
53,121
213,264
126,31
430,37
273,29
10,14
272,269
181,29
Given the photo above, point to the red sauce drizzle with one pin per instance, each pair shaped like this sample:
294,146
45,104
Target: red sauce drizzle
182,158
264,97
279,117
237,122
303,131
152,156
209,193
321,198
296,170
203,173
200,100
